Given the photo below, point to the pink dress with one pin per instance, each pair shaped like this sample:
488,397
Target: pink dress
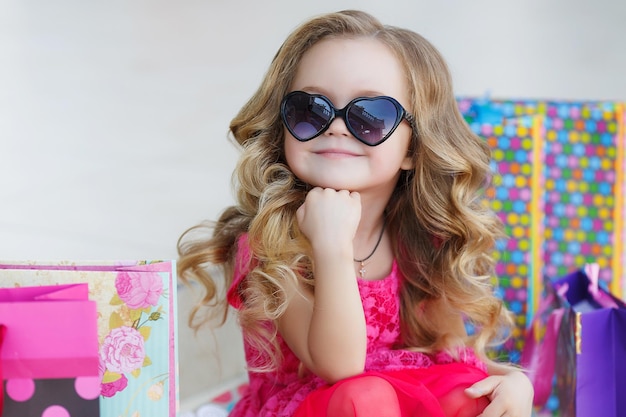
282,392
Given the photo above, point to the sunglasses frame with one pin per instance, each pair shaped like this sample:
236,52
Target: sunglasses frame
401,114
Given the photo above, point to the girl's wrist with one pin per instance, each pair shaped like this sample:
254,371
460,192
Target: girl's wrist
331,252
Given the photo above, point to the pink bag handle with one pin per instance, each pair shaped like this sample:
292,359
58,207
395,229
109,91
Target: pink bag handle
593,273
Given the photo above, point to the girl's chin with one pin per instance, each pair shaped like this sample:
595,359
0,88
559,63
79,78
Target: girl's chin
330,184
331,181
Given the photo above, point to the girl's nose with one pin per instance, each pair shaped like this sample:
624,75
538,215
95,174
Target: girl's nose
338,127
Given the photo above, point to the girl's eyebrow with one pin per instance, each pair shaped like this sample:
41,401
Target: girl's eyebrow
327,94
315,90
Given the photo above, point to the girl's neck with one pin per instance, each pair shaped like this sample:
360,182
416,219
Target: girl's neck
372,252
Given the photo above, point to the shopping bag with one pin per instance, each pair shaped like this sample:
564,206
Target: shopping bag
584,181
590,347
136,328
49,353
515,194
590,368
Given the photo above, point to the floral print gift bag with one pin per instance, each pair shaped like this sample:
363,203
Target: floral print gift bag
136,309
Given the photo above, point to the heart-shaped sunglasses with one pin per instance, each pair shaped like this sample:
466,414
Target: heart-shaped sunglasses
371,120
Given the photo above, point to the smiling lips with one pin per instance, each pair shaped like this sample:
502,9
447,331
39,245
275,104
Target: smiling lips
336,153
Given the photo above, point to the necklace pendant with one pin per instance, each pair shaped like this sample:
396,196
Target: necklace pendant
362,270
362,261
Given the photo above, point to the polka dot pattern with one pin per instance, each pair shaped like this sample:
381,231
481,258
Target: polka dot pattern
511,196
581,150
581,196
65,397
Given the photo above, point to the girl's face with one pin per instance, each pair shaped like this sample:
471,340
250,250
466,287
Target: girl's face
342,69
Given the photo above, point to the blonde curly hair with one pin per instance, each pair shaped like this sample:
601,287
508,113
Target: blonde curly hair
444,235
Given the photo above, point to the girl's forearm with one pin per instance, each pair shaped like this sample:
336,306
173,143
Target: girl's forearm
337,334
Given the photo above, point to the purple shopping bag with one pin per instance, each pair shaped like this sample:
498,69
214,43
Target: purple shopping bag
591,348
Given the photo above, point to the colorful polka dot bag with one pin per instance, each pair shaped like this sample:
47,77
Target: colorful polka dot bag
515,195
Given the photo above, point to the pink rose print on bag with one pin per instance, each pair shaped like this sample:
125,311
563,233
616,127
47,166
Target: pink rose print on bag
139,290
138,305
123,350
109,389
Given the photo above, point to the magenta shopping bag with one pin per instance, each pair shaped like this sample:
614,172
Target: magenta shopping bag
49,354
591,348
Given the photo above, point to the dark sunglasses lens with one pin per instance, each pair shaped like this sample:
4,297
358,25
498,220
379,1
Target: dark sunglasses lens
373,119
305,115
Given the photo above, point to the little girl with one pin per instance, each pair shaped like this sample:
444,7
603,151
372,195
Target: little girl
359,248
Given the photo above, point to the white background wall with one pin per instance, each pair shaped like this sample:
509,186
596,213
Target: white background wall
113,114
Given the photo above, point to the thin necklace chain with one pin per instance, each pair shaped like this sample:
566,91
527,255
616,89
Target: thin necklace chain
362,261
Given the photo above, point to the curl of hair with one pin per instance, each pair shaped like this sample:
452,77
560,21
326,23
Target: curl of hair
444,236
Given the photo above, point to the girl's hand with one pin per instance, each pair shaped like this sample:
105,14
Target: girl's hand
511,395
329,218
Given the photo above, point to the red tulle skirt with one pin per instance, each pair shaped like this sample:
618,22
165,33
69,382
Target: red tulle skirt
436,391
